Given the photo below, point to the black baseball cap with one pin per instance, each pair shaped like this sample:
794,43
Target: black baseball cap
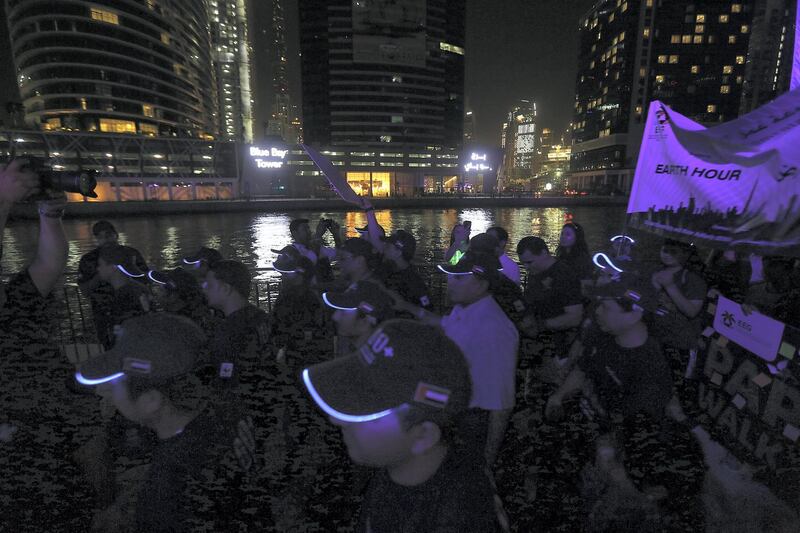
154,347
480,264
630,287
234,274
365,296
203,255
405,241
296,223
123,257
484,243
403,362
358,247
291,261
176,279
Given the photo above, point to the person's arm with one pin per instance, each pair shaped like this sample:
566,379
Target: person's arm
498,421
373,228
572,317
52,249
688,307
16,184
460,241
554,410
423,315
336,233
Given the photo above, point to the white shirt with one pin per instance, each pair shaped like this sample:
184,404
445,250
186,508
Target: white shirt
325,251
510,268
489,342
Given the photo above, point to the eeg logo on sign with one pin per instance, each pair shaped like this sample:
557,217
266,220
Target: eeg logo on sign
755,332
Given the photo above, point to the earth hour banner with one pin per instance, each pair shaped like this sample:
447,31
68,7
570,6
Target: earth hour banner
748,397
734,185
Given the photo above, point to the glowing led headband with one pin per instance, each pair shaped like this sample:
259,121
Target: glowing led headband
192,262
330,411
152,278
99,381
625,237
609,263
122,269
278,270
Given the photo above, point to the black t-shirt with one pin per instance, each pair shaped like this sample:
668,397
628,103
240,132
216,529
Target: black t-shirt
407,283
628,380
509,297
194,469
239,343
457,499
674,328
126,302
549,292
295,322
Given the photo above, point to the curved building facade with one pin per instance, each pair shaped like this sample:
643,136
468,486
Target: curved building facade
115,66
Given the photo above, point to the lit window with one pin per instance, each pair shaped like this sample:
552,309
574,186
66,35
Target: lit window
151,4
165,38
725,89
695,69
660,78
686,39
51,124
662,59
447,47
147,110
104,15
699,28
727,69
638,110
111,125
148,129
673,59
745,28
642,72
724,19
740,60
649,3
624,7
711,108
698,39
700,18
731,39
621,36
83,104
736,8
676,39
646,33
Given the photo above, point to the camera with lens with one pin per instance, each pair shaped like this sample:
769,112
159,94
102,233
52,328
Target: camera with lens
82,181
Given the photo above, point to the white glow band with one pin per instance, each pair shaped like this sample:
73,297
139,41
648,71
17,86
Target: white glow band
122,269
330,411
610,263
99,381
331,304
192,262
626,237
152,278
453,273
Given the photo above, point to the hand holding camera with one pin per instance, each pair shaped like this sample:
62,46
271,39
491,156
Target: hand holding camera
17,181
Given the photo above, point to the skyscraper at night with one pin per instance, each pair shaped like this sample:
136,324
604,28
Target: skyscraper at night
231,60
700,58
383,74
520,141
115,67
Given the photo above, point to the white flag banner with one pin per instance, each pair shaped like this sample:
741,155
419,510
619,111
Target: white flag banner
733,185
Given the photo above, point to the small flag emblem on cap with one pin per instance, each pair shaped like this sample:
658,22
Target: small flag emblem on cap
431,395
138,366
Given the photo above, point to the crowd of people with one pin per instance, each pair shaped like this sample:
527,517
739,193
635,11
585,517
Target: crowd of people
558,400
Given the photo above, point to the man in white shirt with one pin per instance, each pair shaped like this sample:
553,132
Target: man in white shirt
487,337
306,243
510,267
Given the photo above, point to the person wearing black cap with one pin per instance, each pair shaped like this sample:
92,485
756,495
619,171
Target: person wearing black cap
100,293
177,291
489,341
507,293
199,262
627,388
358,260
397,272
357,312
510,267
296,317
397,400
117,266
147,377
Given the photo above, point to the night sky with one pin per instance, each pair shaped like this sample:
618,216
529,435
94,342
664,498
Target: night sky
515,49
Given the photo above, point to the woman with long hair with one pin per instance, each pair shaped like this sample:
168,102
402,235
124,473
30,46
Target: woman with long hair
573,250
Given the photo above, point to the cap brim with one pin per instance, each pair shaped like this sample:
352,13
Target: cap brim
452,270
338,300
159,277
343,390
131,271
101,369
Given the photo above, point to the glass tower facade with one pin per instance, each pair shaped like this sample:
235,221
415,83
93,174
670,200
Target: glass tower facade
115,66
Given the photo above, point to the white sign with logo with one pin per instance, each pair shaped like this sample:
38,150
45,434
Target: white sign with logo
754,332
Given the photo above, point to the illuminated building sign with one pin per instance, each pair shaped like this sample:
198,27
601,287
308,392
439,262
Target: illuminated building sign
268,157
477,162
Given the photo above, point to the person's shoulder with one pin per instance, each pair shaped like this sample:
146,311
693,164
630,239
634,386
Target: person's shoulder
466,501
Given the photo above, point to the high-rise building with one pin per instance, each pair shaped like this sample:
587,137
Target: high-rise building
469,127
231,60
385,79
383,74
115,67
693,56
279,122
520,141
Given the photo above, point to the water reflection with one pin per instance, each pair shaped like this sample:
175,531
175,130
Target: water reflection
250,237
